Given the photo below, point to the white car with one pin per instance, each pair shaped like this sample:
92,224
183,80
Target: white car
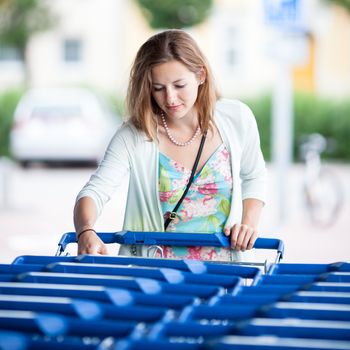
60,125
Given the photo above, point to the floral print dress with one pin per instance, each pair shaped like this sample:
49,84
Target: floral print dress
206,206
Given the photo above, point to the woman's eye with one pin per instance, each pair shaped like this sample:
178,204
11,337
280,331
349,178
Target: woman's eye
157,89
180,86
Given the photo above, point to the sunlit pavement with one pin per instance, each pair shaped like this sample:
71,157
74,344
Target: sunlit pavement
40,201
303,241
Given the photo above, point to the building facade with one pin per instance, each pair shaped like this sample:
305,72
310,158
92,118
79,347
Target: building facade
95,41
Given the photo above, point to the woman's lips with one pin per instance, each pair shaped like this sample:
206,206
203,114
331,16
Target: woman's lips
173,108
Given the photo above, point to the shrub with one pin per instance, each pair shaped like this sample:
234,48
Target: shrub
262,108
312,114
8,102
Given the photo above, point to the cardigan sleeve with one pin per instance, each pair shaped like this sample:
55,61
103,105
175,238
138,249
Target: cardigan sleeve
111,172
252,169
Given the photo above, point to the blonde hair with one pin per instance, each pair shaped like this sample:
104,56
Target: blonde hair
166,46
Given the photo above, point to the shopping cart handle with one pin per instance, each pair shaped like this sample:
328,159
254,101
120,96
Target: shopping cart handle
172,239
192,239
70,237
270,243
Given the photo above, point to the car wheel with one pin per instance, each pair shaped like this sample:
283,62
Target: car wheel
25,164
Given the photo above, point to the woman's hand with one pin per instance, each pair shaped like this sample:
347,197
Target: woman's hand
85,215
90,243
242,236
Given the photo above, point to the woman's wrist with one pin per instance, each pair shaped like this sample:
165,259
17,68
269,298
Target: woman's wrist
250,224
84,231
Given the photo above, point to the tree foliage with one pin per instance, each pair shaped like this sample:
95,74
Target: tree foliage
342,3
175,13
20,19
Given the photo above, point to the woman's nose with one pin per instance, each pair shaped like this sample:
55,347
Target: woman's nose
170,96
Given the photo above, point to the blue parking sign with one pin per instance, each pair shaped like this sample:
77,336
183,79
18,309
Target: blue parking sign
285,14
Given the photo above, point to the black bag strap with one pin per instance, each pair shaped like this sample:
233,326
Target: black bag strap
172,214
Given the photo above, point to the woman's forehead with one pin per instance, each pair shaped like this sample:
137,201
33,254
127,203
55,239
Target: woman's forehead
170,72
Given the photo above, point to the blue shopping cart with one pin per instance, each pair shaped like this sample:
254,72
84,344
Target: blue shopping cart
129,303
155,240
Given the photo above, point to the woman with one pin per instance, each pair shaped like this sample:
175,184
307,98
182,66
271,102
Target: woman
173,109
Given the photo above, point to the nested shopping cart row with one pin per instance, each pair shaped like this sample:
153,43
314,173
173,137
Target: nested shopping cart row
126,303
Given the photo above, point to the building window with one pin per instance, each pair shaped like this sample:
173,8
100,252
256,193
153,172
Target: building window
233,47
9,54
72,50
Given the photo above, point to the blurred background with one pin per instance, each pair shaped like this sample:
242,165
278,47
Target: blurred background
64,67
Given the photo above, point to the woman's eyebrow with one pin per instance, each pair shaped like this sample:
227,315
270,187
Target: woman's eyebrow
174,82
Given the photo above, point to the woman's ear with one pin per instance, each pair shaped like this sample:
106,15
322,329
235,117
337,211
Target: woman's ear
202,74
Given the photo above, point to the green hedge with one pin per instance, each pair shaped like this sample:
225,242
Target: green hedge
8,102
261,107
331,118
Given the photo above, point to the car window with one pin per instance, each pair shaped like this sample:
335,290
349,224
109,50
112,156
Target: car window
56,112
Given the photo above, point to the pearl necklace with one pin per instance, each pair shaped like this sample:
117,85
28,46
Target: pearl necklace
171,137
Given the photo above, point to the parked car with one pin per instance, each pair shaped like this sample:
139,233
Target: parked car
60,125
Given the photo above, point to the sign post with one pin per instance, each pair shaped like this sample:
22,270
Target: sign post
286,19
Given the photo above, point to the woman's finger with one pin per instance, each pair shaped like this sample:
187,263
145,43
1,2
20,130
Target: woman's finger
249,234
252,240
103,250
243,231
234,235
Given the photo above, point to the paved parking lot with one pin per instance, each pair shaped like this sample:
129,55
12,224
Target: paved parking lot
40,203
303,241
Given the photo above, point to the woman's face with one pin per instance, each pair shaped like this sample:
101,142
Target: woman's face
175,88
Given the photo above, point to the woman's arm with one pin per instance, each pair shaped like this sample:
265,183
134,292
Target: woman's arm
98,190
85,215
253,176
243,235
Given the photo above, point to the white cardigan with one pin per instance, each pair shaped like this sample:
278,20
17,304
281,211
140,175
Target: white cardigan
131,154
